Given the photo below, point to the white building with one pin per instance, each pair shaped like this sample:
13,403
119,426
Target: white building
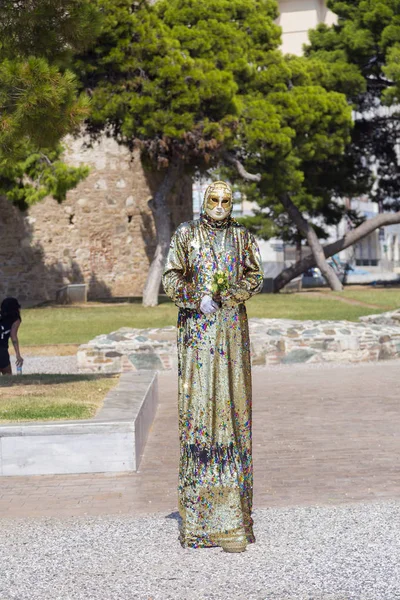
296,18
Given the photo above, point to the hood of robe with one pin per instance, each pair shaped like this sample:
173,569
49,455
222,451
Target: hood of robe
218,186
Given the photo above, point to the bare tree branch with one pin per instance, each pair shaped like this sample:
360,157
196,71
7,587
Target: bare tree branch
240,168
315,245
350,238
46,159
301,223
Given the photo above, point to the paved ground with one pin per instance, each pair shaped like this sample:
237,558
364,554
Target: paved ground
46,364
327,499
326,435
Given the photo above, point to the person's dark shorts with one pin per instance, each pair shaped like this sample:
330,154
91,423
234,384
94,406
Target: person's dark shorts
4,358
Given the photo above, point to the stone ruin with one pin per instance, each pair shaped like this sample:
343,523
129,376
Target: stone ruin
273,341
102,235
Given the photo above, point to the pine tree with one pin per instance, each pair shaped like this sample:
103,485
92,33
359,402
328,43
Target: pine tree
366,43
360,57
39,97
203,84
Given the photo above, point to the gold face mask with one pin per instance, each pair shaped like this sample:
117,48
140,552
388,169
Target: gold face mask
218,200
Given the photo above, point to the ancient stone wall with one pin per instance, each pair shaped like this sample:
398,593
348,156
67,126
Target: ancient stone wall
273,342
102,234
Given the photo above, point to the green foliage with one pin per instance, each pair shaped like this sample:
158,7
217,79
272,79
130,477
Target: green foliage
51,29
263,225
194,80
295,138
391,70
39,104
38,175
366,43
319,157
39,98
290,128
172,75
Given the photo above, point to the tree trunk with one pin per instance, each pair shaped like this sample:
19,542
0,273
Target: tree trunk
351,237
299,248
162,222
313,242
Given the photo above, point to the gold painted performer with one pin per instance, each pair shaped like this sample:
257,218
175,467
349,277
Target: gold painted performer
213,267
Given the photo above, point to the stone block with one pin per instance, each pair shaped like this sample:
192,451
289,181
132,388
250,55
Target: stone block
349,343
386,353
258,360
281,346
113,441
298,355
102,360
292,333
274,332
81,453
116,337
147,362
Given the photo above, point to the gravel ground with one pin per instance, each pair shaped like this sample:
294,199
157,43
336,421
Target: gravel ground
47,364
347,552
68,364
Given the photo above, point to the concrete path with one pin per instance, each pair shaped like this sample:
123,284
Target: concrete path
322,435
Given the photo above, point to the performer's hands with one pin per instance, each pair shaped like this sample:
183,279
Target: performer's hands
208,306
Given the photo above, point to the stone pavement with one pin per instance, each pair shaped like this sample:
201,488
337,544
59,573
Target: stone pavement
323,434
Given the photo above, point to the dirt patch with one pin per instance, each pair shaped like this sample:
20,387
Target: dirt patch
54,350
348,300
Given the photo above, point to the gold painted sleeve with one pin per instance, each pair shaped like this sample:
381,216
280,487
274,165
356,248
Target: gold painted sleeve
253,275
176,276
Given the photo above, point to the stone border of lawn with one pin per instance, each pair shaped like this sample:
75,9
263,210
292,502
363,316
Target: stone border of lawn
113,441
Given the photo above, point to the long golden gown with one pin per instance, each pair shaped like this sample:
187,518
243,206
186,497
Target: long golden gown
215,489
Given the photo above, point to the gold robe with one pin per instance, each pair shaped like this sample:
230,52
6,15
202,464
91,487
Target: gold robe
215,405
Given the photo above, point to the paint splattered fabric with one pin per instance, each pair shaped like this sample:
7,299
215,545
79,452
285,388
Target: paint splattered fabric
215,403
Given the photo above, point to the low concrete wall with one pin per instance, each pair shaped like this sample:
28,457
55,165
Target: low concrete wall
113,441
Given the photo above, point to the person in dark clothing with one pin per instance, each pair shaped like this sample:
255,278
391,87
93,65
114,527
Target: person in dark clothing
10,320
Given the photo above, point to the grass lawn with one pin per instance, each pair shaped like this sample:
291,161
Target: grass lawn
78,324
68,325
387,299
304,306
52,397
